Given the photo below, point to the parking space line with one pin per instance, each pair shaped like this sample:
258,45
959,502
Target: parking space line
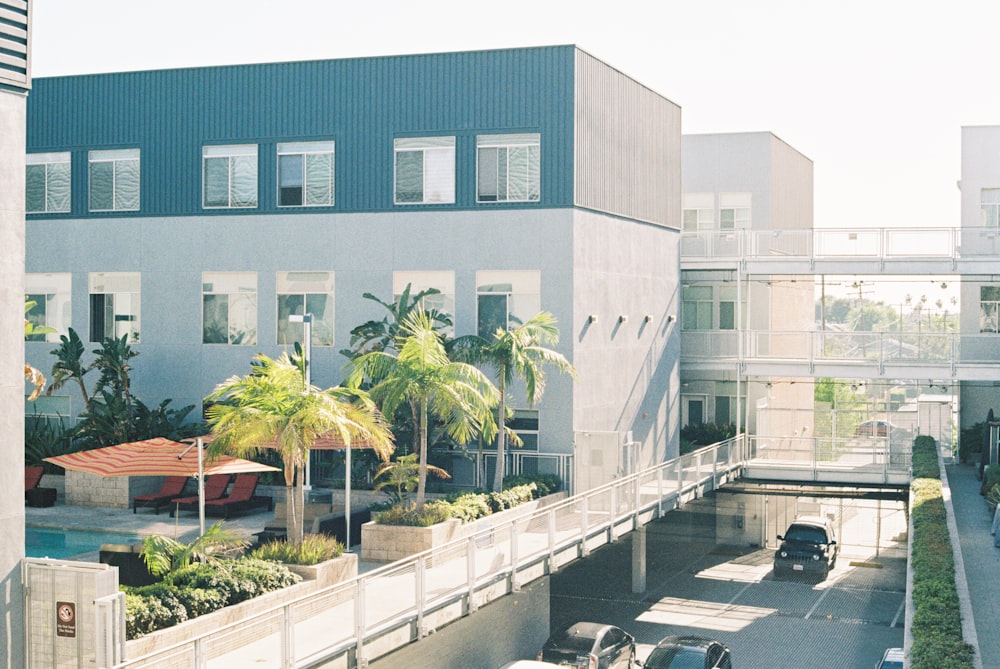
900,611
826,592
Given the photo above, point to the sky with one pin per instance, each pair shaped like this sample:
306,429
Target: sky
875,93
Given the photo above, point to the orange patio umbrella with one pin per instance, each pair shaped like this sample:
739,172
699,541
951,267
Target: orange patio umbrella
152,457
157,457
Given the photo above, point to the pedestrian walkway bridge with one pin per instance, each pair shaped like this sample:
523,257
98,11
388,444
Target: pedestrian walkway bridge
352,623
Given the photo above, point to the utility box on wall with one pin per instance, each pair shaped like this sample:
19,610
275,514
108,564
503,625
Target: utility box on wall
74,614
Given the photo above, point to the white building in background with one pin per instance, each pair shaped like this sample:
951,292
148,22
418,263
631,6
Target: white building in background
735,184
980,295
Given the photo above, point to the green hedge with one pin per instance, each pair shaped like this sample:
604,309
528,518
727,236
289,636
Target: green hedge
315,548
937,620
199,589
466,506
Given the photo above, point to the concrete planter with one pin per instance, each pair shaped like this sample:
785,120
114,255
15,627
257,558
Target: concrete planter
328,573
195,627
388,543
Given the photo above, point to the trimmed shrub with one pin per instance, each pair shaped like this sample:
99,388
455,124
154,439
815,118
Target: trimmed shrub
466,506
406,514
145,614
198,589
315,548
511,497
470,506
545,484
937,620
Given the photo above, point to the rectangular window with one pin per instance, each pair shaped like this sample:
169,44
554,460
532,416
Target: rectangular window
505,299
114,305
696,308
47,183
699,211
525,423
509,168
727,307
114,180
725,402
989,308
229,308
303,293
442,302
51,294
229,176
990,202
305,174
425,170
734,211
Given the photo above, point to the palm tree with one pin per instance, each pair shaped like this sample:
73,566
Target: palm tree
273,405
402,475
380,335
516,354
69,366
420,374
164,555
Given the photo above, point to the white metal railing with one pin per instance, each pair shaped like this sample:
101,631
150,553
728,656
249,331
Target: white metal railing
916,347
400,602
951,243
856,459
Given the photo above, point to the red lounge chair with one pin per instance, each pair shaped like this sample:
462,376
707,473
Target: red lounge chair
215,487
33,494
32,477
171,488
239,498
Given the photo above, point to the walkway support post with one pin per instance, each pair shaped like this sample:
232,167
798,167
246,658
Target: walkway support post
639,560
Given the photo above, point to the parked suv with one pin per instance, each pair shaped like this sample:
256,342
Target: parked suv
809,546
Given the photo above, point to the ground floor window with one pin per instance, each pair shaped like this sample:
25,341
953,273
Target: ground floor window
229,308
114,305
300,293
51,292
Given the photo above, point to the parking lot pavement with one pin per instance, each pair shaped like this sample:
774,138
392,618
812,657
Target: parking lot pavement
694,587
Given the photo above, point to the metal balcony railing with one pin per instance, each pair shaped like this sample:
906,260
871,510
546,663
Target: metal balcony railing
881,348
879,460
951,243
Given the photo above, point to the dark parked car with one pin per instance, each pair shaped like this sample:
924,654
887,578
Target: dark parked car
809,545
689,652
590,646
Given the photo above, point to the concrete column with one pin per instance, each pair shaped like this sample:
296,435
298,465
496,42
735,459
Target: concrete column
639,560
12,143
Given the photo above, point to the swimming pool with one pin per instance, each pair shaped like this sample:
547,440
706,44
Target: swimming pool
63,544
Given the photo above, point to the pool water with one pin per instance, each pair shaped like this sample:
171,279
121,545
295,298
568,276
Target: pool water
62,544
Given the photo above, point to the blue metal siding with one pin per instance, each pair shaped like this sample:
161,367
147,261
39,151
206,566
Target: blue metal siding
361,103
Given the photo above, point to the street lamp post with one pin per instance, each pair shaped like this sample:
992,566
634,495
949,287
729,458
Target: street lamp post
306,320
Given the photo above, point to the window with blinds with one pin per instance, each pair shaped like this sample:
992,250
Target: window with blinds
425,170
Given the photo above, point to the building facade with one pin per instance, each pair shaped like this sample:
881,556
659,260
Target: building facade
195,210
15,82
736,185
980,293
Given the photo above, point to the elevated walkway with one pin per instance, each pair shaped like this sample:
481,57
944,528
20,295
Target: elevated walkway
965,251
352,623
858,355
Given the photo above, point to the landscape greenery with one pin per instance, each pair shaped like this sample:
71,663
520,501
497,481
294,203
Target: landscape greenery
402,367
937,620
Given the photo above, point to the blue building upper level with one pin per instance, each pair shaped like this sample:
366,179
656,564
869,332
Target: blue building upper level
166,121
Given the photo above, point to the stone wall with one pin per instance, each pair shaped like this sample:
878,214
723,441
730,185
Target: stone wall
113,492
